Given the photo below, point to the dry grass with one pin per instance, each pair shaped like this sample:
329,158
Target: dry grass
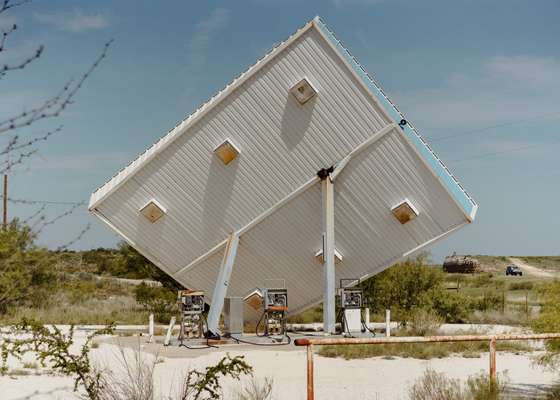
30,365
120,309
423,351
424,322
256,390
551,263
131,379
436,386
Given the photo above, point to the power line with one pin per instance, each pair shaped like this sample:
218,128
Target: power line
496,153
490,127
47,202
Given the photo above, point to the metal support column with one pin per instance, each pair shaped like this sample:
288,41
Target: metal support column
329,290
220,290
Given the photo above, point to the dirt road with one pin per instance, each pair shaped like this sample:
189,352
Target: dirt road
532,270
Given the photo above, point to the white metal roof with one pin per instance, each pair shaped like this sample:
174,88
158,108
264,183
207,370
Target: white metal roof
270,193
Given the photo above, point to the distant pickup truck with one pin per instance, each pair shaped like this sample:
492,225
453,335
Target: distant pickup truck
513,270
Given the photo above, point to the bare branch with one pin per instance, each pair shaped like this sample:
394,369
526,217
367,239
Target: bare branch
34,215
55,105
5,166
7,4
13,143
76,239
21,65
59,217
47,202
5,35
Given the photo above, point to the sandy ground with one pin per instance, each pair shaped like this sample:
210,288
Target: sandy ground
532,270
375,378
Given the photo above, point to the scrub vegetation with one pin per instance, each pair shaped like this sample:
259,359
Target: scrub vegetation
102,285
437,386
423,351
88,287
53,348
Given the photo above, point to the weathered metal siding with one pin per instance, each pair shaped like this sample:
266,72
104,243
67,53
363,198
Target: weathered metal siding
283,246
282,145
366,232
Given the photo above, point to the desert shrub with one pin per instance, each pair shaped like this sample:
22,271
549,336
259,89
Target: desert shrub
479,387
549,321
453,307
413,285
437,386
523,285
481,280
424,322
256,390
553,393
53,347
206,385
160,301
404,287
422,351
314,314
489,301
132,380
128,263
24,267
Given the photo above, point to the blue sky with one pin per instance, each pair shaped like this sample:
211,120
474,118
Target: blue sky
479,79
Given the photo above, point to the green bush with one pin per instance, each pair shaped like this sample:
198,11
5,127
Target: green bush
479,387
549,321
523,285
424,322
489,301
483,279
160,301
24,267
452,306
437,386
412,285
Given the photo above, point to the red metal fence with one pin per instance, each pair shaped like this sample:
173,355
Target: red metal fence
492,339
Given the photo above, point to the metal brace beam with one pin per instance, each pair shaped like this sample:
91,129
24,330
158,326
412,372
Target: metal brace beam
329,290
222,283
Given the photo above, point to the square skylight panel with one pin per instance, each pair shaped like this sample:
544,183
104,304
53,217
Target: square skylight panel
152,211
404,211
303,91
227,152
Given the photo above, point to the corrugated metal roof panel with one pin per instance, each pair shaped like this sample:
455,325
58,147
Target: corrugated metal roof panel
283,246
456,190
282,145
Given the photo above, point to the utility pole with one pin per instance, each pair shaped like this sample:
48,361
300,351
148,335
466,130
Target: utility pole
5,203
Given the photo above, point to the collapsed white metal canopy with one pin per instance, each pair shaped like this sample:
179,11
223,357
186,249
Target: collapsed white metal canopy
269,195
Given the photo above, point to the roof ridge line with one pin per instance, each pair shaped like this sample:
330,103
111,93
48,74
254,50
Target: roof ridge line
202,109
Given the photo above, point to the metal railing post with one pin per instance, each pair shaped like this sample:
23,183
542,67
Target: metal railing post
310,392
492,339
493,359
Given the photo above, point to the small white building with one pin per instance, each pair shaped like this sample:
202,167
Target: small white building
233,195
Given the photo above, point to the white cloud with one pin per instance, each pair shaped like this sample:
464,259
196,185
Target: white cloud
75,21
502,89
204,31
